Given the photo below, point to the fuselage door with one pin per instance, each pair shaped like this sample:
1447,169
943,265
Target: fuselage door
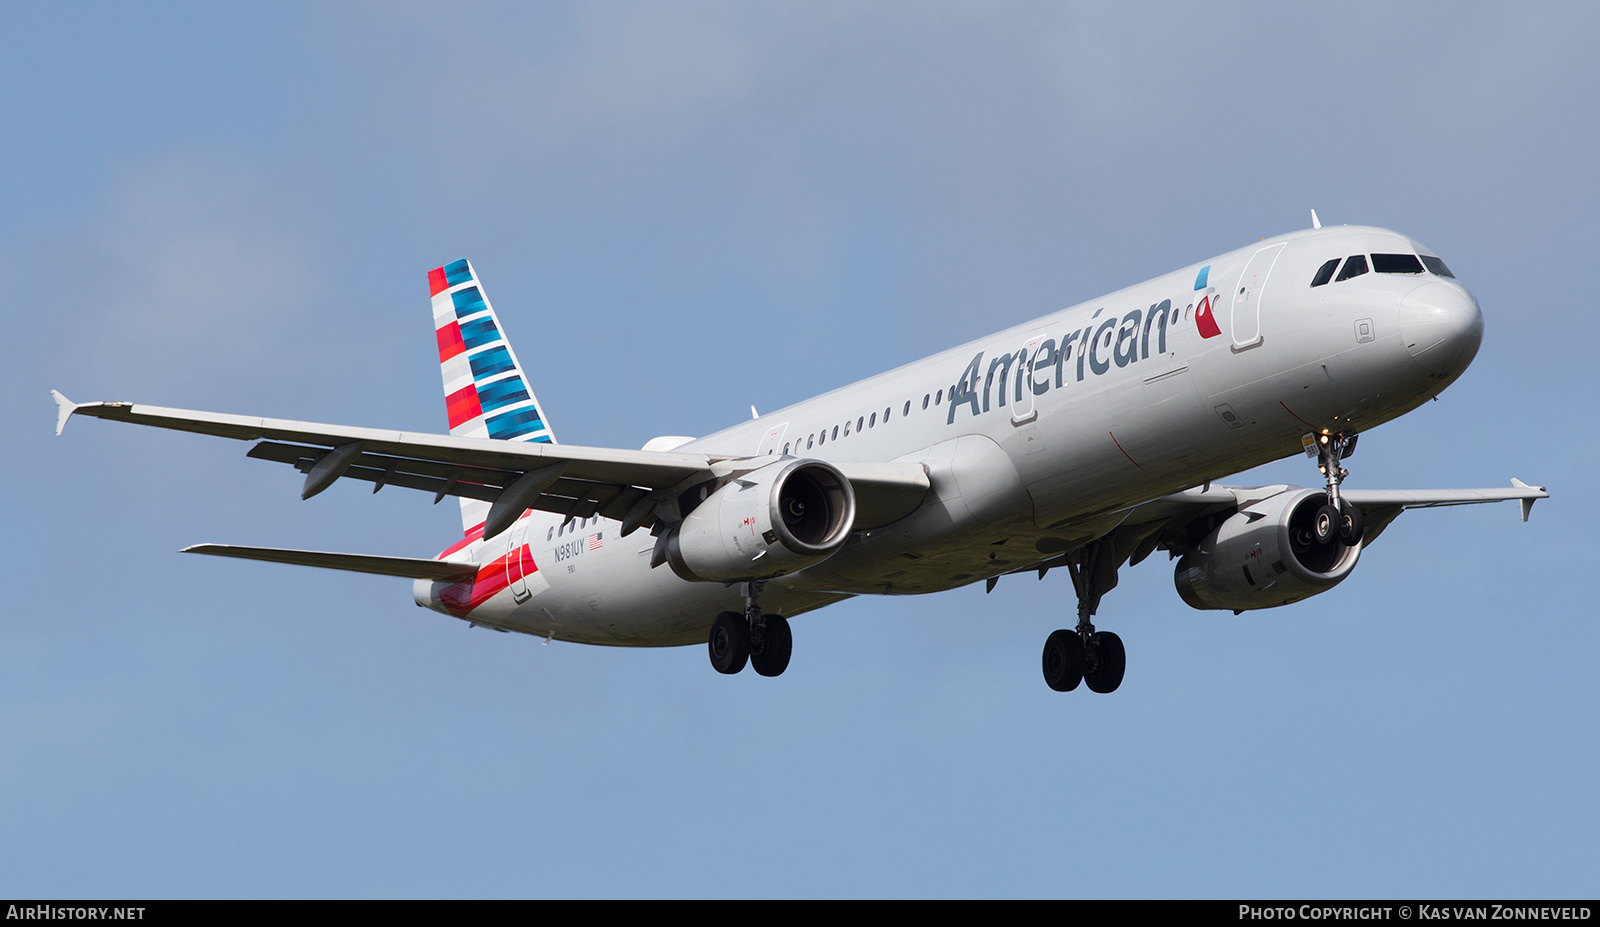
1022,408
1247,295
519,561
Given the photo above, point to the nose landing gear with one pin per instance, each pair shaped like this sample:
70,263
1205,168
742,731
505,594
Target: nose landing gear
1343,520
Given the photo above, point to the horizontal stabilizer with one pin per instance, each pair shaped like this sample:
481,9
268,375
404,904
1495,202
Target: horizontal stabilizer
408,567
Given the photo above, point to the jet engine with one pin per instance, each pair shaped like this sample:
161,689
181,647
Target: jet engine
776,520
1266,555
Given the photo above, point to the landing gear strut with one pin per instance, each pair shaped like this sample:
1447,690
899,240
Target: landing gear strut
1338,519
764,640
1084,654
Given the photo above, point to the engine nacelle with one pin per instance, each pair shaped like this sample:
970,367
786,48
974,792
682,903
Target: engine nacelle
1264,556
776,520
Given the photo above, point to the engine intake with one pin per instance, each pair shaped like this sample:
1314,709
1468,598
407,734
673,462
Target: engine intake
1265,555
776,520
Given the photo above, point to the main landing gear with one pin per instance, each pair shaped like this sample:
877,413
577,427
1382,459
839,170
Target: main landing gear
1084,654
1338,519
763,640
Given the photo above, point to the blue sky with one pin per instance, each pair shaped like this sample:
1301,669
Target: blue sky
681,210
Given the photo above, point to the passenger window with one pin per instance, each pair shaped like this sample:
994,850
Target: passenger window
1436,266
1355,266
836,432
1324,273
786,449
859,421
925,398
808,441
939,398
847,429
550,534
1396,264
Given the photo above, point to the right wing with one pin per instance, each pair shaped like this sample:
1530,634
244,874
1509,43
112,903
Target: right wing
637,488
1378,506
1177,521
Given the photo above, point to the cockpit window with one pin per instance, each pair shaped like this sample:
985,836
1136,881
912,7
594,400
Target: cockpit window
1325,273
1354,266
1396,264
1436,267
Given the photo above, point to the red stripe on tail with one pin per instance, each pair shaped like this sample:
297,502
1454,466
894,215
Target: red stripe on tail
463,405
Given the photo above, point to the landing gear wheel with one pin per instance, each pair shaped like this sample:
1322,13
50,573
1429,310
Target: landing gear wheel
1350,525
769,652
1326,525
1063,660
729,644
1109,662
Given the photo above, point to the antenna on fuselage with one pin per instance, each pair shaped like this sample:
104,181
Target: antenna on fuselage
1315,222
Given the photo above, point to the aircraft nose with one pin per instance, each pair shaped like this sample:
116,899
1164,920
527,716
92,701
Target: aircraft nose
1442,327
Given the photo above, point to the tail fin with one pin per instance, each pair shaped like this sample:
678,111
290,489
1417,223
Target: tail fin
486,393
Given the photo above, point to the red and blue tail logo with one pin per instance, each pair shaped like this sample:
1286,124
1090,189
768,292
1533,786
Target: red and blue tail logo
486,393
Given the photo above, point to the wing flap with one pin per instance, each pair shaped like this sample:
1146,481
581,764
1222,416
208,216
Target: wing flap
566,496
407,567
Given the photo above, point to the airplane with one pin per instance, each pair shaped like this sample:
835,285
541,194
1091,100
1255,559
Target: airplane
1087,439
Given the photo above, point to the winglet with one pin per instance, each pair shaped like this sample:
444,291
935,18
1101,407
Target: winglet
1527,501
64,409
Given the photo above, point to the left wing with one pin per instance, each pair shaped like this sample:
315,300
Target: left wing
637,488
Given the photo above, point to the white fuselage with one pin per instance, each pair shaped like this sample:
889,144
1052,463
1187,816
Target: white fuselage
1039,438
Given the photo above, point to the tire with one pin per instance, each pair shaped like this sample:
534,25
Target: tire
1111,660
1326,525
729,643
770,655
1063,660
1350,524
